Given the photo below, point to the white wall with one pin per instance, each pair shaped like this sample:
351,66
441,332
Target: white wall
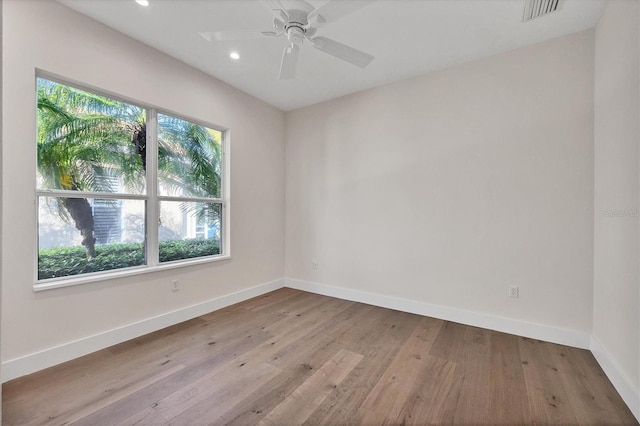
449,187
616,300
1,118
48,36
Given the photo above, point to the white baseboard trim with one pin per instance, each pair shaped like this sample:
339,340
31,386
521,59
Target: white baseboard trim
31,363
547,333
629,393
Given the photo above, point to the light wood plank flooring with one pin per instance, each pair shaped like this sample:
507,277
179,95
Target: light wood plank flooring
291,357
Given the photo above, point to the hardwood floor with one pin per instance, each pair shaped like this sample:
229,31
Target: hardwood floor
291,357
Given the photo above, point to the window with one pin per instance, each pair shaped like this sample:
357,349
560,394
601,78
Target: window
189,188
120,186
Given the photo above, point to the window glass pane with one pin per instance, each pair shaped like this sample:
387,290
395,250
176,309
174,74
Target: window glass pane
189,159
188,230
88,142
81,235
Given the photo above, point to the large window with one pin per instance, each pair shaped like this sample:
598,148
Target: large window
120,186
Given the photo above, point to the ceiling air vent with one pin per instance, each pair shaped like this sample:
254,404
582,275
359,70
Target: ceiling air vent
535,8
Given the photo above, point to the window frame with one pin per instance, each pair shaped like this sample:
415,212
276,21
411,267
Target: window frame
150,197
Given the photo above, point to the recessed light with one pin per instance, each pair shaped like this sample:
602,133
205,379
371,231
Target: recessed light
234,55
143,2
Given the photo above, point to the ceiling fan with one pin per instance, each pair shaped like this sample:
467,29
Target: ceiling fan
298,20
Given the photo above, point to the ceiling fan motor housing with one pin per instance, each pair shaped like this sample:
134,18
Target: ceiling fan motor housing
295,28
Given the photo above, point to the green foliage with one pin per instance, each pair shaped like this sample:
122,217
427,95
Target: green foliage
187,249
68,261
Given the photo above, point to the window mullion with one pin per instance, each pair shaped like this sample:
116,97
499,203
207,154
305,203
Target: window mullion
153,208
225,240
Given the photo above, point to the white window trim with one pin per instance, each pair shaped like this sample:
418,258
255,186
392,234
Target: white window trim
151,198
93,277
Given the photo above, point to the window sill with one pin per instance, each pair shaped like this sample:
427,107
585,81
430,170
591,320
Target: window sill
52,283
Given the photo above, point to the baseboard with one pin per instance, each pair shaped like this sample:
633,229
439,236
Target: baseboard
547,333
31,363
629,393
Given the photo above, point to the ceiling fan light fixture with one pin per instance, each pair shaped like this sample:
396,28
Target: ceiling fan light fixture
295,34
143,2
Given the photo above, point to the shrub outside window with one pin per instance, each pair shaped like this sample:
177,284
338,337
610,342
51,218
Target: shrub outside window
107,170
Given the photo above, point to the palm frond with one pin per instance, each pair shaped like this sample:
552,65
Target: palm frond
189,150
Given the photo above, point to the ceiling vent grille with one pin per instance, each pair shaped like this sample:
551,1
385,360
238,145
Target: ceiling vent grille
535,8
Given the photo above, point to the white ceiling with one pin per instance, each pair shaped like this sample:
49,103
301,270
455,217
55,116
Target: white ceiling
407,38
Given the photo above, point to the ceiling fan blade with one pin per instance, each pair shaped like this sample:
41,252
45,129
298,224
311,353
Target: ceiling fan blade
342,51
289,62
235,35
334,10
277,9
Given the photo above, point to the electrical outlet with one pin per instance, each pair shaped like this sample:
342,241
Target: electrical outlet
315,264
175,285
514,292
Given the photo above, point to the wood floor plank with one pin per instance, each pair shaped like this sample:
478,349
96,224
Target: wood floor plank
548,398
214,388
218,334
398,383
315,349
245,331
162,337
284,334
216,345
265,398
450,345
427,400
508,401
64,395
379,341
300,350
146,417
117,395
295,357
267,300
368,417
474,364
303,401
275,305
582,379
219,355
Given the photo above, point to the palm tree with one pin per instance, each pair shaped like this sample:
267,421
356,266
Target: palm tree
85,143
189,164
91,143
